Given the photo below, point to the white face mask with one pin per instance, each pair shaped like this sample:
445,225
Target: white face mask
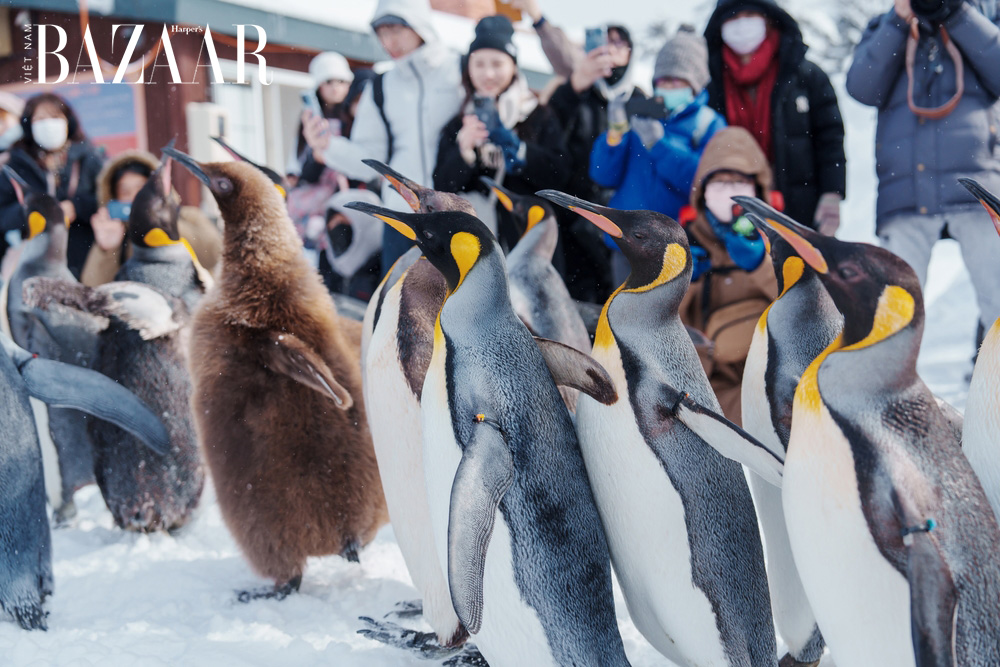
719,198
50,133
10,135
743,35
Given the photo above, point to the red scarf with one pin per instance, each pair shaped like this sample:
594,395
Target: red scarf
748,87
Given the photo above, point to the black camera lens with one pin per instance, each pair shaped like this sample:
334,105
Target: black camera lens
934,10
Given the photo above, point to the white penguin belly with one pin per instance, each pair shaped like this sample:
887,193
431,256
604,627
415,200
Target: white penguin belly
394,421
511,633
756,409
50,455
981,430
861,602
643,518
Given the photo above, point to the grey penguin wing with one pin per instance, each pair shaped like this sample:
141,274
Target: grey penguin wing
572,368
66,386
289,355
933,594
723,435
484,474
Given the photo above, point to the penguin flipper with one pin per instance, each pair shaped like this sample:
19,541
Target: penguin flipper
290,356
483,477
66,386
933,594
572,368
725,437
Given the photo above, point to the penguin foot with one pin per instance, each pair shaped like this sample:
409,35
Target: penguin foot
407,609
789,661
469,657
279,592
424,644
350,551
62,515
30,617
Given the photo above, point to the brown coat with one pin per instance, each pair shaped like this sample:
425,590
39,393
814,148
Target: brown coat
726,301
102,265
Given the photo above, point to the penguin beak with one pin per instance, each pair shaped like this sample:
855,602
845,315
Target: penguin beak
386,215
801,238
189,163
407,189
16,182
591,212
766,233
503,196
233,153
989,200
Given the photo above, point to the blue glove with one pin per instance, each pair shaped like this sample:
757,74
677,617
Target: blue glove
511,147
746,250
699,262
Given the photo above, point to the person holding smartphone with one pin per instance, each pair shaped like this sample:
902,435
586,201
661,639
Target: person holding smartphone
649,160
501,132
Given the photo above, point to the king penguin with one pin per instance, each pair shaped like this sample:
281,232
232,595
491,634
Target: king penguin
678,516
514,519
25,541
63,335
397,341
780,351
980,440
891,531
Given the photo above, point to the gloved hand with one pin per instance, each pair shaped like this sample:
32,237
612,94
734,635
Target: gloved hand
827,219
699,262
649,130
511,145
746,251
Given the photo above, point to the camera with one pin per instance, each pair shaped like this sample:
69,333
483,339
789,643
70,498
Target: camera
935,10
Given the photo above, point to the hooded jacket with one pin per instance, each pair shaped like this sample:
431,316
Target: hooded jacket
807,131
725,302
102,265
422,92
917,159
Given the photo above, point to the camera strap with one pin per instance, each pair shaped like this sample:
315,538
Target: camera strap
934,113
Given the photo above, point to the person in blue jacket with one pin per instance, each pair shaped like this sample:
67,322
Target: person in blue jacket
651,162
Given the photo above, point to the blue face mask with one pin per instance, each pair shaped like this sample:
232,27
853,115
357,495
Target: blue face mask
675,98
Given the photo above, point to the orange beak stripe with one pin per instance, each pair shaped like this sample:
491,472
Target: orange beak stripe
600,221
803,248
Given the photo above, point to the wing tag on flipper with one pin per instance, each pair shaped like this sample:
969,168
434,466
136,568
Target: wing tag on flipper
483,477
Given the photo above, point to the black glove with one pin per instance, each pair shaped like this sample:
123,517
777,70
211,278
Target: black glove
935,11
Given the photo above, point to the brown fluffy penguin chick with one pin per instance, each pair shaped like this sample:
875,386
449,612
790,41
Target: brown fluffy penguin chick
277,391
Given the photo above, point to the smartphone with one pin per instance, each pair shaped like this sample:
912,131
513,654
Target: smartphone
595,38
486,111
119,210
504,8
310,101
646,107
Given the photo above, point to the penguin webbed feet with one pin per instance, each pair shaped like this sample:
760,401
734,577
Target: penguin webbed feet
279,592
407,609
350,551
424,645
29,616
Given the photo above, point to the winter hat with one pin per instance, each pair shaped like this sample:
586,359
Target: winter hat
330,65
495,32
389,19
414,14
685,56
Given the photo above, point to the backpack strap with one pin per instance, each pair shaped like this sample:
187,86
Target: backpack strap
378,95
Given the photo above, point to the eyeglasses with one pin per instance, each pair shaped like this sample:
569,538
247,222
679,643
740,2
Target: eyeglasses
618,44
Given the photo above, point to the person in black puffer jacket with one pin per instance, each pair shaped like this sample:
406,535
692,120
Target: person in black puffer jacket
798,125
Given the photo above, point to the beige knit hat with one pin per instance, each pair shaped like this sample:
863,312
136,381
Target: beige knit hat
684,56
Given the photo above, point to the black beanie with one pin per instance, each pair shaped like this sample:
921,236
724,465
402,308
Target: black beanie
495,32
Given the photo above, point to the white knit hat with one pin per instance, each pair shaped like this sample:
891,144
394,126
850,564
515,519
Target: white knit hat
330,65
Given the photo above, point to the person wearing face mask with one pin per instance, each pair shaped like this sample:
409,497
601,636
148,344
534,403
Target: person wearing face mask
54,156
401,112
11,108
761,81
520,145
650,162
581,105
733,281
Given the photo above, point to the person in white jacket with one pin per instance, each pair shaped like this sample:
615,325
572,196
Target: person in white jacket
421,93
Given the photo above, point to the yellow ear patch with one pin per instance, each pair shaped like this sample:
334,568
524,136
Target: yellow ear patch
465,249
674,261
399,226
36,224
893,313
791,273
281,190
803,248
503,199
155,238
535,215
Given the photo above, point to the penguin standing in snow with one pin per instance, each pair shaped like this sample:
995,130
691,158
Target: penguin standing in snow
276,391
513,515
396,347
980,439
63,335
891,531
780,351
678,516
25,542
